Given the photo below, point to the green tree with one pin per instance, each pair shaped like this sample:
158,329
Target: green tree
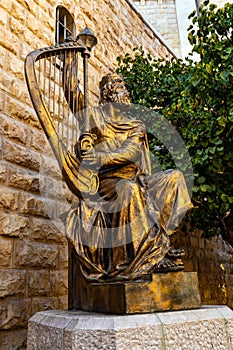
196,97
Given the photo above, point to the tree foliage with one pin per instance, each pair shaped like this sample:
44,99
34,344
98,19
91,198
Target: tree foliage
196,97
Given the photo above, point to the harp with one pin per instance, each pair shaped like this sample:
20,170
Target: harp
54,77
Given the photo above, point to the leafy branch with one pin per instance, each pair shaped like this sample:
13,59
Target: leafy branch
197,98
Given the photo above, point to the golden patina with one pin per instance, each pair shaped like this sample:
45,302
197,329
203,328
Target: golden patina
124,215
122,232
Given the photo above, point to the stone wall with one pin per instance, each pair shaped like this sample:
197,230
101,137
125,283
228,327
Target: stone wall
33,250
162,16
170,18
212,259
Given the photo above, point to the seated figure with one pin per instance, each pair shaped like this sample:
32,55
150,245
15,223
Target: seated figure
120,230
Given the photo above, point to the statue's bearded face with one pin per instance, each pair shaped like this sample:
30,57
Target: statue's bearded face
113,89
120,93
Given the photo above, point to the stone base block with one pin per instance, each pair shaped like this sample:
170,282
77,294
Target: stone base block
164,292
210,327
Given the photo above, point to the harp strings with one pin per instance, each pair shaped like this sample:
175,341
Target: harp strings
63,103
67,61
59,81
75,58
54,88
68,98
50,75
60,121
76,112
44,80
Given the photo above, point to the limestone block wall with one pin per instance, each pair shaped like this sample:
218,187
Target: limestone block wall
212,259
162,15
33,250
170,18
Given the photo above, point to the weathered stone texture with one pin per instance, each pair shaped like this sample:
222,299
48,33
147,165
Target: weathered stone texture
20,111
63,257
212,259
8,199
3,18
3,173
23,179
17,154
38,141
2,60
18,12
204,328
13,340
216,340
13,225
29,254
47,231
30,245
52,188
12,44
35,206
49,167
12,282
45,303
59,283
13,130
14,313
5,252
63,302
14,65
38,283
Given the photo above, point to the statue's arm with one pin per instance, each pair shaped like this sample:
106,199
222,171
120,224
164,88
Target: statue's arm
130,151
72,92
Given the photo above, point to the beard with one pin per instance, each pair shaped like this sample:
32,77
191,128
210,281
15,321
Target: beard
121,98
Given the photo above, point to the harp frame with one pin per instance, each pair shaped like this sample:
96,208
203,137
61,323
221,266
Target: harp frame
32,82
82,180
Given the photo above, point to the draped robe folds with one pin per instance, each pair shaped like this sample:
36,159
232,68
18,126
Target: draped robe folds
122,231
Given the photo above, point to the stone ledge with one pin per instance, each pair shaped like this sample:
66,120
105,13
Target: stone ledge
210,327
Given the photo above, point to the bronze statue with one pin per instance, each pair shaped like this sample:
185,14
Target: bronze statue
122,231
121,223
118,231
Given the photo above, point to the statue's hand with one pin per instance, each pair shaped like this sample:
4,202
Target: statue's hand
85,145
91,157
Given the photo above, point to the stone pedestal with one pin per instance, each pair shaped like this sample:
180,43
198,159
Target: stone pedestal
165,292
210,327
160,292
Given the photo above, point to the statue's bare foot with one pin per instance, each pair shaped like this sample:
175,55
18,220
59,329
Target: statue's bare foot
171,262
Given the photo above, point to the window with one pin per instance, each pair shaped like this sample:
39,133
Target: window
65,25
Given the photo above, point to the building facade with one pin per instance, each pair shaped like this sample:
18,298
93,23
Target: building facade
33,247
170,18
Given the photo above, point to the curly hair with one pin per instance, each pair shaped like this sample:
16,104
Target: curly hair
107,87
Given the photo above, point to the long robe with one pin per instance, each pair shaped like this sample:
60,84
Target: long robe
122,231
